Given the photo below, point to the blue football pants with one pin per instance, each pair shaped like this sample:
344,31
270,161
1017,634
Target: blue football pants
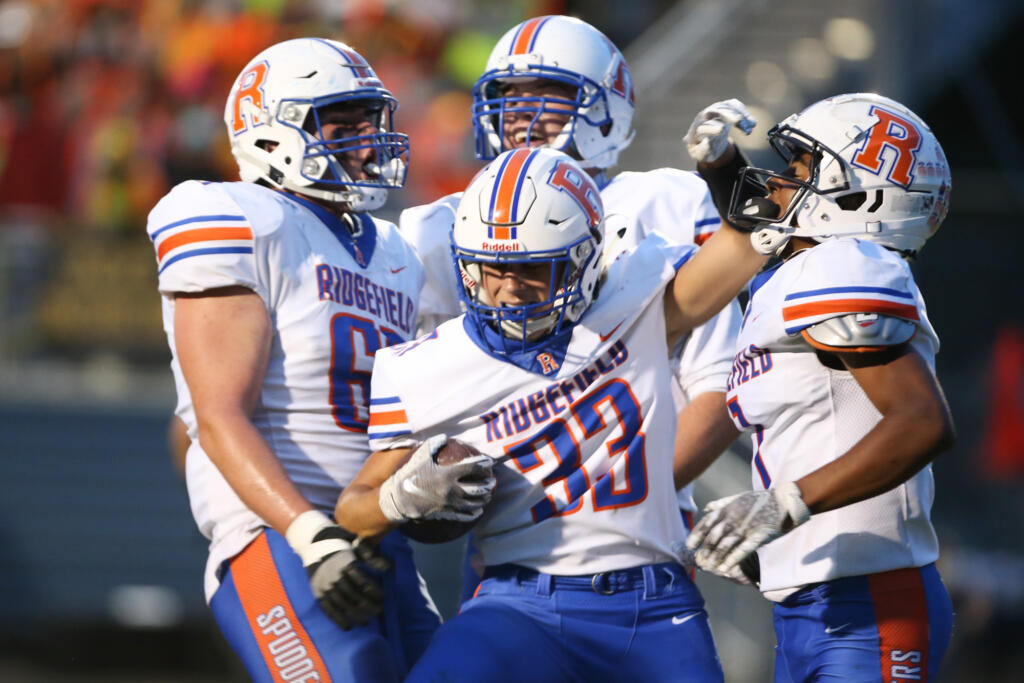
893,626
641,624
266,610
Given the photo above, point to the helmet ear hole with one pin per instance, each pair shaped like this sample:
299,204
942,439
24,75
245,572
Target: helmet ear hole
852,201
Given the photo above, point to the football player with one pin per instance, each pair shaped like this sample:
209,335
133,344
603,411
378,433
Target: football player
558,371
277,291
557,81
834,376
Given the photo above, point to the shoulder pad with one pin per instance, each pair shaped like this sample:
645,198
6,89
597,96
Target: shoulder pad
859,332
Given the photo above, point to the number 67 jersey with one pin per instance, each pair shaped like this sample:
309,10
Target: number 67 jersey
585,425
336,291
804,414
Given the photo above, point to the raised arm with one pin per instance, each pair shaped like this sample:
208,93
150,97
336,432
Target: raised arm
710,280
727,261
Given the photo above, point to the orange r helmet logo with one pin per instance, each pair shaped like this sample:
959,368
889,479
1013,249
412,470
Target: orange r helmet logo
250,87
901,137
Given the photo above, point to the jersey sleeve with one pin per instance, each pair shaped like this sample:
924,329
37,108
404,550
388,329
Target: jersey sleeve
849,277
703,359
427,228
669,201
389,422
203,240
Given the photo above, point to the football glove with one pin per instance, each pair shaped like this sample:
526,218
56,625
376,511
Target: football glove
423,489
708,136
333,557
732,528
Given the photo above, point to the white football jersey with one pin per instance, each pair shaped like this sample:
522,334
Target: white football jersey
333,299
667,201
804,415
587,427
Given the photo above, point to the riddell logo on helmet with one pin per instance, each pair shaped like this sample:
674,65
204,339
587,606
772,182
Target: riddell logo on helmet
499,246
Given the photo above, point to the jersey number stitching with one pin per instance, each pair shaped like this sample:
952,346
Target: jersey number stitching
354,341
613,399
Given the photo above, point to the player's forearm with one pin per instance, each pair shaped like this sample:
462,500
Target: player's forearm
358,507
703,431
711,279
890,454
252,470
359,512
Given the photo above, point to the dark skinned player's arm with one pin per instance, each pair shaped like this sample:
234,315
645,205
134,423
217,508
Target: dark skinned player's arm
916,426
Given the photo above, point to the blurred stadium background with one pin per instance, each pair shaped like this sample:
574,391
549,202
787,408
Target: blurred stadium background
106,104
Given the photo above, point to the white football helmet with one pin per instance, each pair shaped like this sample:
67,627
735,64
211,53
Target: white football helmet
877,173
273,119
530,206
572,52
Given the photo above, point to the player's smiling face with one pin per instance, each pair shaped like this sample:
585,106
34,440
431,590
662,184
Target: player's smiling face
524,125
517,284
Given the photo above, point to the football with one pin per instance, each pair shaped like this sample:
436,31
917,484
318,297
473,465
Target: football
440,530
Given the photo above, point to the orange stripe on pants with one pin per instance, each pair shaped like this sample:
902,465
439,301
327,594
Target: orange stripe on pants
901,610
279,633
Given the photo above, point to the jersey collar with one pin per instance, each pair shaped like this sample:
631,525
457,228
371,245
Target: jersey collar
359,238
545,359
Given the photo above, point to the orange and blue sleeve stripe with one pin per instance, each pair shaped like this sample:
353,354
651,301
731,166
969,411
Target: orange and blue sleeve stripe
202,235
704,228
525,37
504,205
800,310
387,418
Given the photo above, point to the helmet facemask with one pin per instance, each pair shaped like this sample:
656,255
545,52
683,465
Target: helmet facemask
493,110
828,181
531,325
322,168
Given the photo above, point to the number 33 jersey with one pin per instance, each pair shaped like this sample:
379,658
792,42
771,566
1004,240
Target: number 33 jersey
803,414
335,293
587,427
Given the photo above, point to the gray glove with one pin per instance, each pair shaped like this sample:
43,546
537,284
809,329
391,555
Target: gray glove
734,527
332,557
423,489
708,136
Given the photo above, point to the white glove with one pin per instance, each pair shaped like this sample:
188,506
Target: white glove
423,489
332,557
734,527
708,136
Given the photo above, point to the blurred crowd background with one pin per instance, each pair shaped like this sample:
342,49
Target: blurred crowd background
107,104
